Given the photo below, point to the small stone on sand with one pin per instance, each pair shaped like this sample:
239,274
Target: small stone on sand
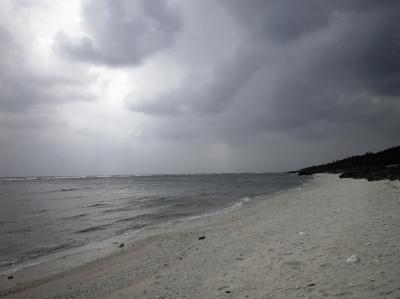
352,259
121,245
202,237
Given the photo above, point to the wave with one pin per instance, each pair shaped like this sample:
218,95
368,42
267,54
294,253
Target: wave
93,228
235,206
85,177
21,230
122,209
113,176
135,218
2,222
19,179
68,197
289,190
6,263
63,177
172,216
75,216
69,189
129,228
50,249
96,205
155,217
38,212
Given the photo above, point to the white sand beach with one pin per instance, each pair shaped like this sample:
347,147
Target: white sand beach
293,244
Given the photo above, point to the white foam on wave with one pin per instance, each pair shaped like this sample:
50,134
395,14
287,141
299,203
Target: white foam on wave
235,206
64,177
18,179
289,190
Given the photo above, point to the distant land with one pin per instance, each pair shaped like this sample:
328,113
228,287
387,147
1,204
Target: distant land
383,165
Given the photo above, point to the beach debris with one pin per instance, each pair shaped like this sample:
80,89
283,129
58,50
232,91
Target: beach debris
311,284
353,259
202,237
302,233
10,277
227,291
121,245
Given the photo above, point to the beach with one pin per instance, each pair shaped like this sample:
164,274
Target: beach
331,238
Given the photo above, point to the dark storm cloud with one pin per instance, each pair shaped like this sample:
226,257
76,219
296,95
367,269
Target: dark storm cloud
303,67
268,85
280,20
287,20
122,32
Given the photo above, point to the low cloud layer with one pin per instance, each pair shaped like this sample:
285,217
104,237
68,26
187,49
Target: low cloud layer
187,86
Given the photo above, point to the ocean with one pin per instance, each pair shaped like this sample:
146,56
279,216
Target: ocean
43,215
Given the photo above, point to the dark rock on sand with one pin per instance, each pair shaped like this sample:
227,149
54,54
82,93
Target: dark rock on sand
202,237
121,245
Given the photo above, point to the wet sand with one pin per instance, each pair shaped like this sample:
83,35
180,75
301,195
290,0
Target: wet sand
290,245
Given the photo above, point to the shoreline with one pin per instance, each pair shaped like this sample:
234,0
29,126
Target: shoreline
294,243
78,214
101,248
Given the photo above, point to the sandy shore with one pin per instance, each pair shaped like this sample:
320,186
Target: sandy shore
293,244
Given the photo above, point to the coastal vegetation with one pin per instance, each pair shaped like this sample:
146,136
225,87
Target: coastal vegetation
371,166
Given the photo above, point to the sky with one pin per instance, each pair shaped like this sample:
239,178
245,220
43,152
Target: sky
185,86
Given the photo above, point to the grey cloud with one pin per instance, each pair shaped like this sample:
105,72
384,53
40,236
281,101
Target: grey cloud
211,95
281,20
23,87
340,67
288,20
122,33
298,82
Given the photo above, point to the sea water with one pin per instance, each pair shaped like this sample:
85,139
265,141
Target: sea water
43,215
